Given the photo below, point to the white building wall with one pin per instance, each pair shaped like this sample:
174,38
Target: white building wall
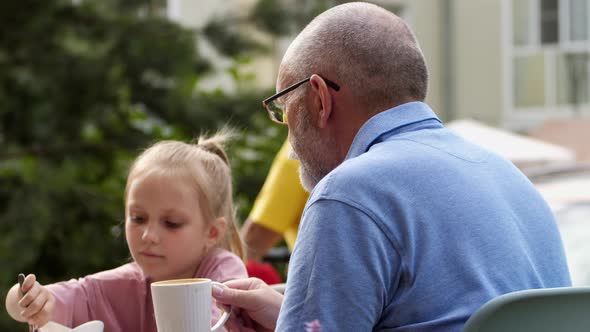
196,13
425,18
478,60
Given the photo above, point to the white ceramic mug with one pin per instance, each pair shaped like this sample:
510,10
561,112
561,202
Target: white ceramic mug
184,305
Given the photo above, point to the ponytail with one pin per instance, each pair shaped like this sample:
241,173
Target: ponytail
215,146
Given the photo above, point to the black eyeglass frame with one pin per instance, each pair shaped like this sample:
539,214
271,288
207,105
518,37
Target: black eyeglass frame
286,90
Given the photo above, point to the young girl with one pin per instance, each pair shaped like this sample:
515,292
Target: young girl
179,223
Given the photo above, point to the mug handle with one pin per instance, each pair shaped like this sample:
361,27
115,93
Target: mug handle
224,317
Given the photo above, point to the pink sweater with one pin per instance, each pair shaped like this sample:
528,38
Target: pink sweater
121,297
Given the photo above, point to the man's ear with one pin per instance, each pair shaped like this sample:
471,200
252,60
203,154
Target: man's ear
322,99
216,231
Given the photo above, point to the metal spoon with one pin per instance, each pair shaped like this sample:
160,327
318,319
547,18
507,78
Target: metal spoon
21,279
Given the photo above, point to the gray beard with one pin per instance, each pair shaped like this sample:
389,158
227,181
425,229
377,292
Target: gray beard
315,162
308,181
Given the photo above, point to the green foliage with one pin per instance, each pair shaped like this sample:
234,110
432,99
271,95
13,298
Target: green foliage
271,16
228,39
285,17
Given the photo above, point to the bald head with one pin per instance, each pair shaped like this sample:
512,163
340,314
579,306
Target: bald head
365,48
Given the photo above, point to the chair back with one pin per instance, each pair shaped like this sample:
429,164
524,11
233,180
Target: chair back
565,309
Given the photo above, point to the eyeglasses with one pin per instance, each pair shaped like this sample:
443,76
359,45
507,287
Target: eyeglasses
276,110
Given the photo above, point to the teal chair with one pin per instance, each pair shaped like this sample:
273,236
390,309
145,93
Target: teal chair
564,309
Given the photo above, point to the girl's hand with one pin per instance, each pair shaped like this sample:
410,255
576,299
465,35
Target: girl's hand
36,305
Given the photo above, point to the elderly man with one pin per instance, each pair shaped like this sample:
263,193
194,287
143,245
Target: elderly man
408,226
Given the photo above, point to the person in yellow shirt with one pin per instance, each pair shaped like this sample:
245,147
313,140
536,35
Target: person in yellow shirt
277,209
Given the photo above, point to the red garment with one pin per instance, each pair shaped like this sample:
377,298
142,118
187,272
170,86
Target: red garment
264,271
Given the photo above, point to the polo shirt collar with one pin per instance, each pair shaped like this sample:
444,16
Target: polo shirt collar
389,122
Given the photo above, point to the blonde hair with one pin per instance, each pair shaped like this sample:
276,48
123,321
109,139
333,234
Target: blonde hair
206,164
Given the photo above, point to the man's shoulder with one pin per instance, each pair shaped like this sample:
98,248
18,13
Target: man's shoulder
368,171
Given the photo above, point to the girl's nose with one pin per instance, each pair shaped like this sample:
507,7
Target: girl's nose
150,234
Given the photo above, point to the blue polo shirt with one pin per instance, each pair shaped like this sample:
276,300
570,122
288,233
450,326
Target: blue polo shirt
415,230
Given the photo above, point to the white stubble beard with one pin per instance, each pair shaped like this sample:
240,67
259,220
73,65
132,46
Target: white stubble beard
315,164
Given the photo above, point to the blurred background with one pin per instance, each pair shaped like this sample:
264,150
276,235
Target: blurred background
85,85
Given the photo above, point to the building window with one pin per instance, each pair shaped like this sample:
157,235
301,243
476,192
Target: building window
549,22
578,23
548,56
529,81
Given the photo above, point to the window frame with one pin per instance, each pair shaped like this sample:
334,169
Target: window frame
519,117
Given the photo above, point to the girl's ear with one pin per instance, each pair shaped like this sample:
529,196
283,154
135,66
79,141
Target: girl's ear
216,231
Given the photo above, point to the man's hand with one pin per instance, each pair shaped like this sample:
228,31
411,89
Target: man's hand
255,304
